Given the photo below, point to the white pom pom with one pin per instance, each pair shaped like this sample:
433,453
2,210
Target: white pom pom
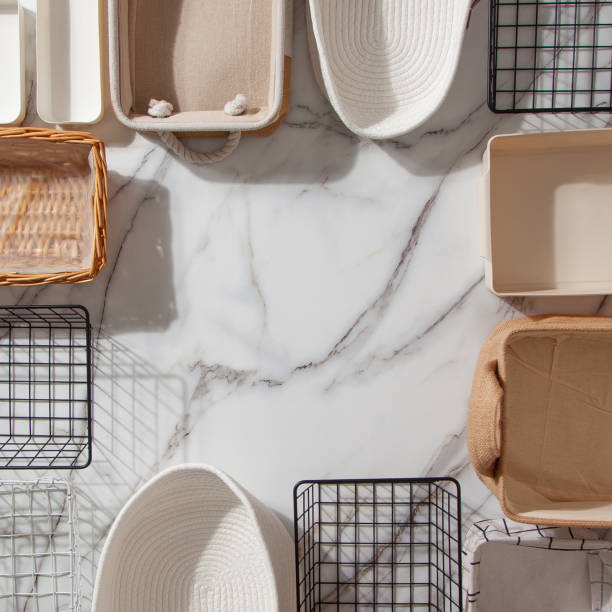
160,108
237,106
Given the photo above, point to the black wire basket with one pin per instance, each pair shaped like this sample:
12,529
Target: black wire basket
378,544
550,55
45,387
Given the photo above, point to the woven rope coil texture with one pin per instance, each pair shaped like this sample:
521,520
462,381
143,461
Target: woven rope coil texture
386,65
193,540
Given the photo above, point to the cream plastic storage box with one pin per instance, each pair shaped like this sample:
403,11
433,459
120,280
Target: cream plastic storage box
546,213
69,61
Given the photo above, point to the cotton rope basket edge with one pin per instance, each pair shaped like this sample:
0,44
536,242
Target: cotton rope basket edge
99,206
202,158
133,535
162,109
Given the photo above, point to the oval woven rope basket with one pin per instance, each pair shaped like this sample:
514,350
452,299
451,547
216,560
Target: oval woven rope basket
53,199
193,540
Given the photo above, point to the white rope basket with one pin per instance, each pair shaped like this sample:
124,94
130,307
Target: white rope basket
386,65
193,540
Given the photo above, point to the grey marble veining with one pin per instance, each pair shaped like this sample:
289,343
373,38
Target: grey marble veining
311,307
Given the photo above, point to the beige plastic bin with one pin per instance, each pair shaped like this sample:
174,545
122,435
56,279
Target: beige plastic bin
198,56
546,213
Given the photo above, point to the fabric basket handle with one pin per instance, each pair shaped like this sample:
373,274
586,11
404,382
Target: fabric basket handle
484,421
201,158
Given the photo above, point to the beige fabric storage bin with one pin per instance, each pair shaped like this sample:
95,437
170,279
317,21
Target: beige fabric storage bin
198,55
546,211
540,419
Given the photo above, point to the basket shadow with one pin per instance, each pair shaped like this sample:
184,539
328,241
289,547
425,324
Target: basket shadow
135,292
134,406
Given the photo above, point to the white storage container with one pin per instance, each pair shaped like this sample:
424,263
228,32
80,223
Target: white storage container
12,96
68,61
546,213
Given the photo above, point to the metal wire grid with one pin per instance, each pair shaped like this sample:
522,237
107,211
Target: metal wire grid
39,559
550,55
378,544
45,387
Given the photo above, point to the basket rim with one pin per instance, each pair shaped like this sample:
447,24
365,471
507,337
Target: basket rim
411,480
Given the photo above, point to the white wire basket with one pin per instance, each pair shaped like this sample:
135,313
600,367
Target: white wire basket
39,557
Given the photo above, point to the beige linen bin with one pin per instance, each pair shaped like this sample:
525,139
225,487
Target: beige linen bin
199,56
540,419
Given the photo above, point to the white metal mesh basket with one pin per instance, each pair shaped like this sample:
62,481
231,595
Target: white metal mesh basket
39,560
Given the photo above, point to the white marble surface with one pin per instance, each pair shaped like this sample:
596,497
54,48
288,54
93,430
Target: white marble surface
311,307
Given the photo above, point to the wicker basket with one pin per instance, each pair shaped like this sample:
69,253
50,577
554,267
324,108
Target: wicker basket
53,198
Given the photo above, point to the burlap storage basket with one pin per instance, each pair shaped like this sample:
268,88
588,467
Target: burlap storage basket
53,198
540,419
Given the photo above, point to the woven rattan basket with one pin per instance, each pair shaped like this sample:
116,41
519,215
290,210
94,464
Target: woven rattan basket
53,198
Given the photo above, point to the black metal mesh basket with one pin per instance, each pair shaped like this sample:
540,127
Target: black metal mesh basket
378,544
45,387
550,55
